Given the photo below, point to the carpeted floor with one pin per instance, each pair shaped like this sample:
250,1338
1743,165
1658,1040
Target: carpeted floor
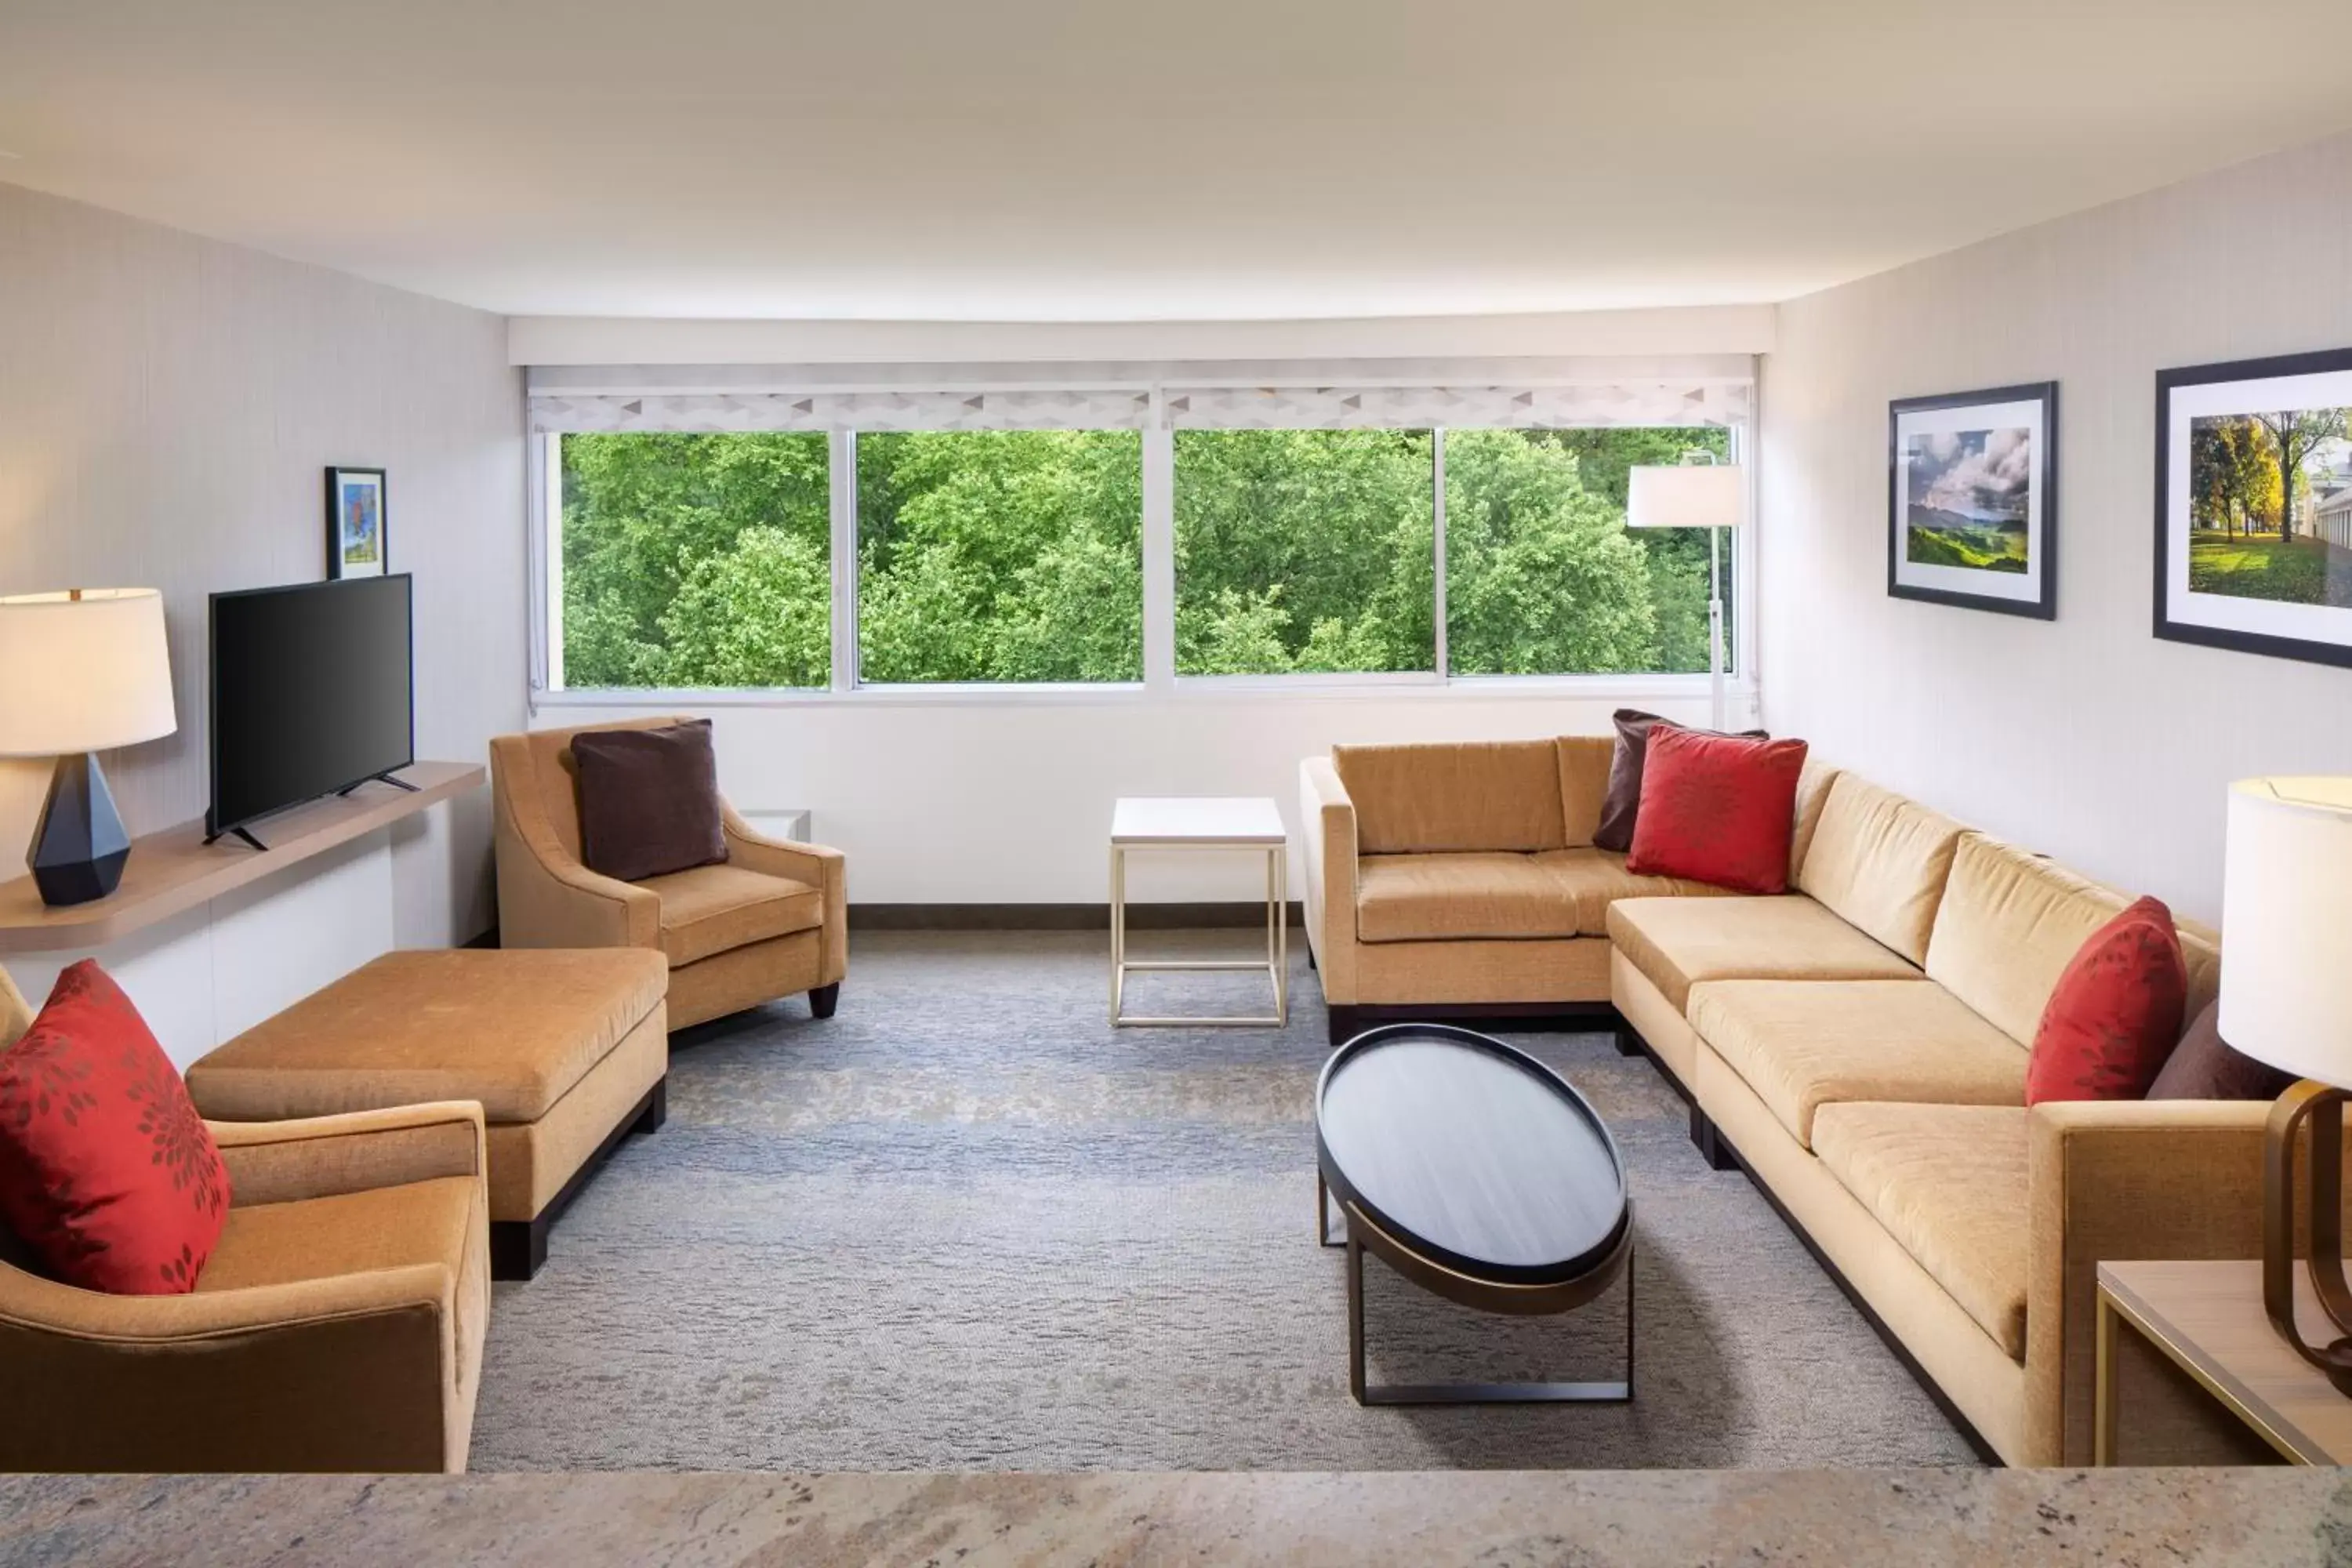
965,1225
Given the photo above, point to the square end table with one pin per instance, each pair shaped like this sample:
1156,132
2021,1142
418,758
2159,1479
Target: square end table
1202,823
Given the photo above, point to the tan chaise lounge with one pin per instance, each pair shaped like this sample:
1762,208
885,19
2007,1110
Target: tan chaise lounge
338,1325
1858,1045
566,1051
771,920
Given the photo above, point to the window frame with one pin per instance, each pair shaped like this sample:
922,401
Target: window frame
545,564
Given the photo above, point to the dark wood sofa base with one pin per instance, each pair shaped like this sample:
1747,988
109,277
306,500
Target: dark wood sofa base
518,1247
1349,1019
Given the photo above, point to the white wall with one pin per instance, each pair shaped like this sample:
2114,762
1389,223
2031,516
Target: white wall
1009,801
167,406
2086,738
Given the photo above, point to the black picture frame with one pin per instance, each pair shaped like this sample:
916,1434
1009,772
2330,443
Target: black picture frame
2174,504
341,562
2041,526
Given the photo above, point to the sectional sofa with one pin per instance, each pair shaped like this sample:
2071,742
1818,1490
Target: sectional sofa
1858,1045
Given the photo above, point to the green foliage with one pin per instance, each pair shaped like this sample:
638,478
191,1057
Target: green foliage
1016,556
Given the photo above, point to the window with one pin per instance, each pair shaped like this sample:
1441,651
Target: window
695,560
1002,555
1304,551
1542,576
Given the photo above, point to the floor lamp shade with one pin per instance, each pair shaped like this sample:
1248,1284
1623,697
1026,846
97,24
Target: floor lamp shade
2286,888
82,672
1689,495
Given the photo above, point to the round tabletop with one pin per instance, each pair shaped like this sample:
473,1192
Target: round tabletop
1471,1152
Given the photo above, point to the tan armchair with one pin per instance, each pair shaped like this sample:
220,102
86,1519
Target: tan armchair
338,1325
771,920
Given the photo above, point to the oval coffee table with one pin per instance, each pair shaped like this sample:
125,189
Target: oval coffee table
1478,1174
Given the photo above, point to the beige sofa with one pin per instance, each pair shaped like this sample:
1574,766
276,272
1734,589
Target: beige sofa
1859,1044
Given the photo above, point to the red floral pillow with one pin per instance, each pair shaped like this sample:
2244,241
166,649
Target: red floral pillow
1716,808
2115,1015
107,1172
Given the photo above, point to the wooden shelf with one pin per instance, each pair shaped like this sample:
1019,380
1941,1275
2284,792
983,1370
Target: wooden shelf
175,871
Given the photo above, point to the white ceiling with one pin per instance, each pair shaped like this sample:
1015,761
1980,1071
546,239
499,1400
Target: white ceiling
1016,160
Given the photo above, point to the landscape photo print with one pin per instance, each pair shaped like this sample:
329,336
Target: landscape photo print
1972,499
2253,515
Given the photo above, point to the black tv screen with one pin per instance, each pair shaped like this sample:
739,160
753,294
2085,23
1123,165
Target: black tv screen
312,693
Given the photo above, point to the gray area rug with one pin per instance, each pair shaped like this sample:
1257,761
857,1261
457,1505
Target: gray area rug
966,1225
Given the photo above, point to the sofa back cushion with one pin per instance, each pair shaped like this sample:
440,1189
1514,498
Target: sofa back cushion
16,1016
538,775
2009,923
1813,787
1584,764
1879,862
1453,795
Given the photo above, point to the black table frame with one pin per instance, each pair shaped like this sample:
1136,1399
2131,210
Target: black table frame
1540,1293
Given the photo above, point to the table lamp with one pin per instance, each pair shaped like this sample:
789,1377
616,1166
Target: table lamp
81,671
2286,895
1698,492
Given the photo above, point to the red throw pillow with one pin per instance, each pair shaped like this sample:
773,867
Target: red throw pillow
1716,808
106,1171
2116,1014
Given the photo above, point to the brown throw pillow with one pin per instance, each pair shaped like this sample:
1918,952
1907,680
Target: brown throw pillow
2203,1066
1622,803
649,800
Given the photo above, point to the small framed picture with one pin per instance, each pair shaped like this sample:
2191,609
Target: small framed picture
356,520
2253,505
1972,499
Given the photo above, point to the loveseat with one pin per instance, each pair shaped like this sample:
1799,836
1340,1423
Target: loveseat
1858,1045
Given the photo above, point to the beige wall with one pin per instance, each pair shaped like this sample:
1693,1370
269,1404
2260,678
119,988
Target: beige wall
167,405
2086,738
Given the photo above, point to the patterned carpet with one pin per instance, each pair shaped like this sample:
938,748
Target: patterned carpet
965,1225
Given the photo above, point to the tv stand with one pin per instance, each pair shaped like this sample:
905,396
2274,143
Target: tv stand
212,838
378,778
180,868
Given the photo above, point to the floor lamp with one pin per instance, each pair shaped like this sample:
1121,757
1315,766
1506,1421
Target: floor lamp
2286,895
1698,492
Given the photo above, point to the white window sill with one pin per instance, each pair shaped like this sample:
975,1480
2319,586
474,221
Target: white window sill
1253,689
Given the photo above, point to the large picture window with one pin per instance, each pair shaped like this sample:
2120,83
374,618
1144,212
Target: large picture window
1304,551
1000,555
695,560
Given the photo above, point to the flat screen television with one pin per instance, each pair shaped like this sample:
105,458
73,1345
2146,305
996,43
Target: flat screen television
312,694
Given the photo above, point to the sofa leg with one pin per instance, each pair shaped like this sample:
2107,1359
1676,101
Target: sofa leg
1711,1146
825,999
518,1246
657,1111
1344,1024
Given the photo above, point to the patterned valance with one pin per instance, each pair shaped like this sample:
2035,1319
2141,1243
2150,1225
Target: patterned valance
1011,410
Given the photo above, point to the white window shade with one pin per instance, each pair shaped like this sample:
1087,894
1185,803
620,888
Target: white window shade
1020,409
1631,403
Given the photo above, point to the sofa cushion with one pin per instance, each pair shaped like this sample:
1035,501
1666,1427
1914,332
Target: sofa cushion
1718,808
1458,795
712,909
15,1015
2008,924
1880,862
649,800
2116,1014
1804,1044
1678,942
1452,898
1441,898
1584,777
514,1028
107,1174
349,1233
1949,1183
2203,1066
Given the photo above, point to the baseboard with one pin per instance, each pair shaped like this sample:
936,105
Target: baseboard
1061,917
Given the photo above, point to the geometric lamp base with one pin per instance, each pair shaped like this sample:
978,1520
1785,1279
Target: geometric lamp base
80,844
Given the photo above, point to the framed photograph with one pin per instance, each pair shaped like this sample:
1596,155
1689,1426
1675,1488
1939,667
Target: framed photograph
2253,505
1972,499
356,520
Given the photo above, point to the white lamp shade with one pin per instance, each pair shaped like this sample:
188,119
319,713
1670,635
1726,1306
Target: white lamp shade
83,672
1694,495
2286,908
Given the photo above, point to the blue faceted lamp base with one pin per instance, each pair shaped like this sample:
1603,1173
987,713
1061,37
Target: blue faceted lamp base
82,672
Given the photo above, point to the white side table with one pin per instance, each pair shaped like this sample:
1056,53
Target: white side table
1203,821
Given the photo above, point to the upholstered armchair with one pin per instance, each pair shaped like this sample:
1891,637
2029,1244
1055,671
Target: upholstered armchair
770,920
337,1326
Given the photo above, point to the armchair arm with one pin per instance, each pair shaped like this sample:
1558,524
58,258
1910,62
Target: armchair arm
2109,1180
548,899
320,1156
821,868
1328,823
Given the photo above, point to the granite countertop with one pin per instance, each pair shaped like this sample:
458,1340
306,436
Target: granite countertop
1501,1520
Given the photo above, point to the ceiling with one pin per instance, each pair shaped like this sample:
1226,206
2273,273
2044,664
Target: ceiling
1020,160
